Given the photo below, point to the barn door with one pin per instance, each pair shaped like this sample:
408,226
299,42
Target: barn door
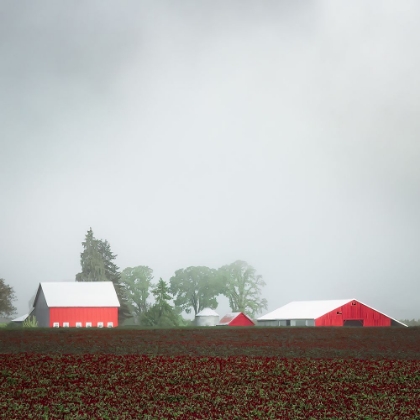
353,323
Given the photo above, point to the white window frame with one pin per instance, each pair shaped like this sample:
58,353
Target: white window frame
88,324
110,324
100,324
56,325
78,324
66,324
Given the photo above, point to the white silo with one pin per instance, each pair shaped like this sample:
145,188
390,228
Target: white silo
207,318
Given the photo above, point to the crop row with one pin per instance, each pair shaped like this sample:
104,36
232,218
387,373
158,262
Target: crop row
126,387
369,343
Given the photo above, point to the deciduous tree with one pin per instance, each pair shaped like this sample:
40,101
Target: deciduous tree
136,283
7,296
196,288
243,288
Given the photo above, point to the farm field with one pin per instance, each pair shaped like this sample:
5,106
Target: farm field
210,373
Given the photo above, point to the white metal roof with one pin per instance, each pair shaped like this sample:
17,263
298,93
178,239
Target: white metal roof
20,318
207,312
79,294
311,309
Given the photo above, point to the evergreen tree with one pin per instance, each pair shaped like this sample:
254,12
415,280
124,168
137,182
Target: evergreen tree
91,260
97,261
162,314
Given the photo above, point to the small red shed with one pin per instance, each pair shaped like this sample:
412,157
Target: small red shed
76,304
236,319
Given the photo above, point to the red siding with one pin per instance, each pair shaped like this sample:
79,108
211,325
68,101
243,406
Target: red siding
353,311
83,315
241,321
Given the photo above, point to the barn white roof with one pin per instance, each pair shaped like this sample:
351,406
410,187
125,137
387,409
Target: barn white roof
20,318
79,294
311,309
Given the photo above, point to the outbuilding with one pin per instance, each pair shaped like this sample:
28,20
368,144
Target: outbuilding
328,313
207,317
76,304
236,319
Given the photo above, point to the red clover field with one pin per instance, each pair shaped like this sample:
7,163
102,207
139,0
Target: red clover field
210,373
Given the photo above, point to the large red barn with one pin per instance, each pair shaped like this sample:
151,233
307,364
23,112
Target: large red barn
328,313
236,319
76,304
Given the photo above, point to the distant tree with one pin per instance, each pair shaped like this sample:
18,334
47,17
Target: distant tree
91,260
411,322
196,288
7,296
97,261
243,288
161,314
136,283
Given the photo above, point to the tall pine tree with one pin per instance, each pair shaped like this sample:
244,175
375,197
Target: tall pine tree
97,261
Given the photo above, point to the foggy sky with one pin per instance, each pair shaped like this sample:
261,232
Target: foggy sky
282,133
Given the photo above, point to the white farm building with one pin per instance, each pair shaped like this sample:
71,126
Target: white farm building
207,318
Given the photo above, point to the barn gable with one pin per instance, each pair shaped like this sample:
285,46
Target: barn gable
236,319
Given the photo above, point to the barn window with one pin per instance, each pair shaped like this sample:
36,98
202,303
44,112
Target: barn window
78,324
110,324
353,304
100,324
66,324
339,313
88,324
56,324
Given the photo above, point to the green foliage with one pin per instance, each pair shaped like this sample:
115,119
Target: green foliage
243,288
30,322
7,296
196,288
162,314
91,260
97,261
136,283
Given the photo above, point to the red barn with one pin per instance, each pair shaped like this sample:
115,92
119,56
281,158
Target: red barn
236,319
328,313
76,304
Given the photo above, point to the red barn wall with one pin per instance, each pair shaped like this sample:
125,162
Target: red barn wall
241,321
83,315
353,311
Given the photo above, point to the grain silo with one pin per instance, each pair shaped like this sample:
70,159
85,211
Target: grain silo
207,318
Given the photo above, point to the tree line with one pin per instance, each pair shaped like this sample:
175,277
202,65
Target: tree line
190,289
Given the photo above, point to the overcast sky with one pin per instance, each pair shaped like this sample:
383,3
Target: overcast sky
282,133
